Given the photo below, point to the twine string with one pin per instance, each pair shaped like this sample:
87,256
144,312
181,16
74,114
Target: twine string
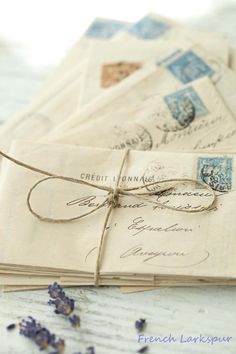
113,200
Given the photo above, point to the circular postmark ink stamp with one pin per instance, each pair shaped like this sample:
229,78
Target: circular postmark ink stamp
132,136
182,109
216,172
173,113
184,112
157,172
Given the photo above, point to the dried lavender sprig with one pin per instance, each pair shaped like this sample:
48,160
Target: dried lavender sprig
55,291
63,304
143,349
41,336
140,324
11,326
74,320
59,345
89,350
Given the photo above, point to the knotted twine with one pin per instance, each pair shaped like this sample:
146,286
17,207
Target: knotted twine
112,199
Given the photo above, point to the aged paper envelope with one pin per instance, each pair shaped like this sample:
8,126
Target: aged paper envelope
123,93
172,73
194,117
153,27
111,62
138,242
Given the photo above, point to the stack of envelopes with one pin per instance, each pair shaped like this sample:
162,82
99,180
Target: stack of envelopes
122,168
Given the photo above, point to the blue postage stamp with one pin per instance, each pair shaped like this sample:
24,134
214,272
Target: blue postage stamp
148,28
189,67
178,104
216,172
104,29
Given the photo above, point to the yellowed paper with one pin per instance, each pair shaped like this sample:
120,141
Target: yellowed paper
174,72
109,63
155,27
194,117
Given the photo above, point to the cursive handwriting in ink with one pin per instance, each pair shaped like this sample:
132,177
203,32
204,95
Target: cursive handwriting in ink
92,202
139,226
139,251
213,144
193,128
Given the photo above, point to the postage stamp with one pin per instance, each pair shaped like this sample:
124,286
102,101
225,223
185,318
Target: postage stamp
148,28
104,29
185,105
133,137
216,172
189,67
113,73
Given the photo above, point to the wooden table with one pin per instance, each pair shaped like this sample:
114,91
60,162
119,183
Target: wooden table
107,315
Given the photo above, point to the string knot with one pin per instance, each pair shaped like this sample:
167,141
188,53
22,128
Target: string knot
113,197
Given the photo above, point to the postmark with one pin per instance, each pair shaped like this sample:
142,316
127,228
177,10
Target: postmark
156,171
161,114
216,172
148,28
104,29
189,67
174,187
133,136
113,73
185,105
